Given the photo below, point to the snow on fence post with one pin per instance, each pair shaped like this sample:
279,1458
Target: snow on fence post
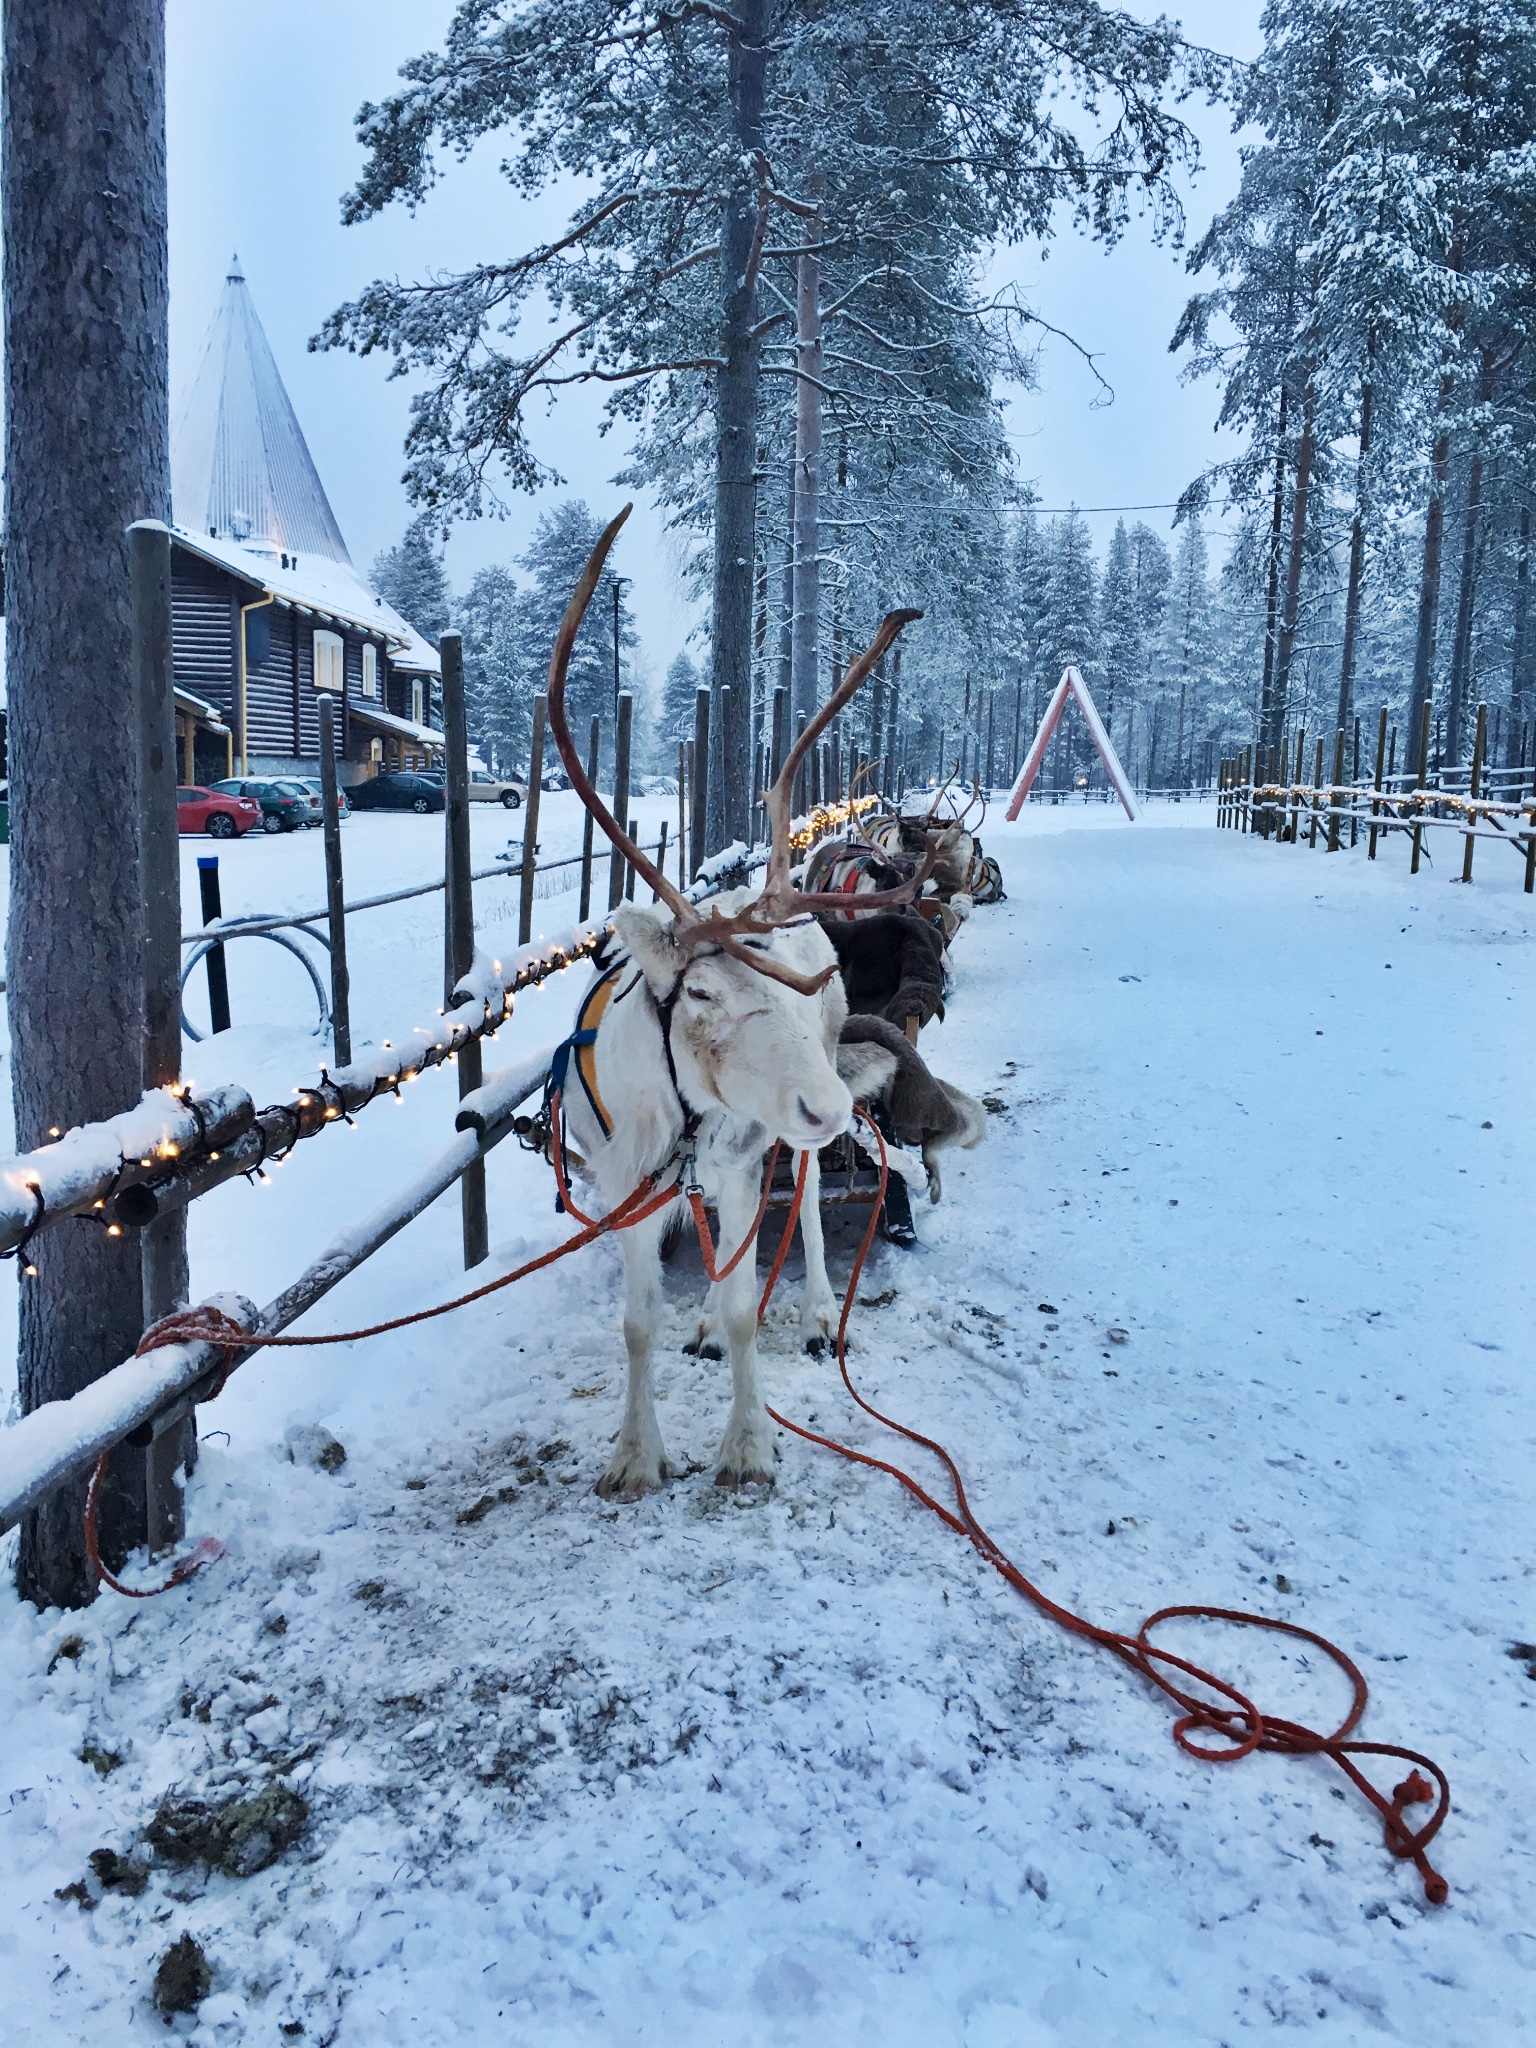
531,820
163,1243
335,898
461,923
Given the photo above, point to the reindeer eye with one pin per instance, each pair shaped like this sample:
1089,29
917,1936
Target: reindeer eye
701,995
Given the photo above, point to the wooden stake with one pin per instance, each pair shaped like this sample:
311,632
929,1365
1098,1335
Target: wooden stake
461,923
682,814
1418,829
698,769
335,896
1381,755
531,821
593,745
1479,746
1338,777
163,1243
661,859
617,866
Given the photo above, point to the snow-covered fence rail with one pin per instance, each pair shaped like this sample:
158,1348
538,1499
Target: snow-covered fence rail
177,1144
143,1397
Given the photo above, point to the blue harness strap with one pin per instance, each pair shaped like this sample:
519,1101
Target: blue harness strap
582,1043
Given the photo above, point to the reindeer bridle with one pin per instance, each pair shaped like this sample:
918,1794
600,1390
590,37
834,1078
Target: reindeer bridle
780,903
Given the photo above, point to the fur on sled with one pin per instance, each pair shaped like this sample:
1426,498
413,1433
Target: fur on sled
892,964
877,1065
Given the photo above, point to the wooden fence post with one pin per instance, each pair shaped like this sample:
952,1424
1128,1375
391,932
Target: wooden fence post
594,744
621,741
682,814
1475,789
1381,759
661,859
585,910
531,821
163,1243
461,922
335,899
1333,801
1418,830
699,768
1354,806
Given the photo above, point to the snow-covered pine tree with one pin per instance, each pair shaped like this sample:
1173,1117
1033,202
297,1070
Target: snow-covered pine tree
495,669
411,577
679,697
1120,629
1069,633
1190,647
686,132
555,558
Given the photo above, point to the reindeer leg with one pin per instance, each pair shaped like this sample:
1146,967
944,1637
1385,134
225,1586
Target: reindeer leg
709,1339
818,1304
746,1454
639,1460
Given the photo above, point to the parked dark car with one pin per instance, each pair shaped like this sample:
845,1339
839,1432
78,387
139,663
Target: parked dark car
286,805
216,812
407,790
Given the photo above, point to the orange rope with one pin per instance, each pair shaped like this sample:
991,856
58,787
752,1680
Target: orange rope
1242,1727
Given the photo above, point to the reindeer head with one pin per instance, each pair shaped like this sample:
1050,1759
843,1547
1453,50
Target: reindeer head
744,934
740,1037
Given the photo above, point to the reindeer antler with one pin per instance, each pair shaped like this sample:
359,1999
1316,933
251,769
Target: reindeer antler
780,902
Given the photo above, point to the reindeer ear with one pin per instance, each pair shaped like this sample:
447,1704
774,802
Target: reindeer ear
649,936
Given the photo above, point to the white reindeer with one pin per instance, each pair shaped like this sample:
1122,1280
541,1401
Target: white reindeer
717,1037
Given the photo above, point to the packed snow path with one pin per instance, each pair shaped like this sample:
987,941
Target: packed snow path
718,1770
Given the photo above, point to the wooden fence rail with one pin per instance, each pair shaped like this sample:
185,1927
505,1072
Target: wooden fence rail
142,1398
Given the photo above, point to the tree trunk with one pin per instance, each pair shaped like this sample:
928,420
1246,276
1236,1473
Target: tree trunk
1429,582
1272,595
1356,549
1461,645
803,680
736,406
1290,620
86,452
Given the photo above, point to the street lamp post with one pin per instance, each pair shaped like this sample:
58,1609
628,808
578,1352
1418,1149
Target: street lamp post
618,584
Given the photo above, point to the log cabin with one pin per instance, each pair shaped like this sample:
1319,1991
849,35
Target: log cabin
266,607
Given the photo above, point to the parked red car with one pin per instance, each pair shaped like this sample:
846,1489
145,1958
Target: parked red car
220,816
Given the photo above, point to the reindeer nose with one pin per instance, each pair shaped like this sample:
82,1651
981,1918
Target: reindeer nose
822,1126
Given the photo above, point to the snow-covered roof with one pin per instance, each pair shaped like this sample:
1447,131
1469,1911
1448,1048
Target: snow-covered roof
207,714
370,714
240,466
312,583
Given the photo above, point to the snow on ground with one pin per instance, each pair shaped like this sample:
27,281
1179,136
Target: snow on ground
799,1769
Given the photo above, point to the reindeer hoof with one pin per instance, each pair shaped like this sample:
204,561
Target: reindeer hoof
736,1480
703,1347
631,1476
816,1345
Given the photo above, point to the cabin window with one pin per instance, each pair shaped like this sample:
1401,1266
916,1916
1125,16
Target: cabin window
370,669
330,663
376,752
417,715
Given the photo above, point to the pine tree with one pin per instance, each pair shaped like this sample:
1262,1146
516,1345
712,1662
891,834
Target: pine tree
1069,628
411,577
1190,647
495,675
561,544
679,699
1121,629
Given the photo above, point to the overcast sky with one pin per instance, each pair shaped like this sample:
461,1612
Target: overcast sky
262,147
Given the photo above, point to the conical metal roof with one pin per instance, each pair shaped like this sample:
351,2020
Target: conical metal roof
240,469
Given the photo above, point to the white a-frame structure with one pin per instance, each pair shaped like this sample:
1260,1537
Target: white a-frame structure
1071,685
